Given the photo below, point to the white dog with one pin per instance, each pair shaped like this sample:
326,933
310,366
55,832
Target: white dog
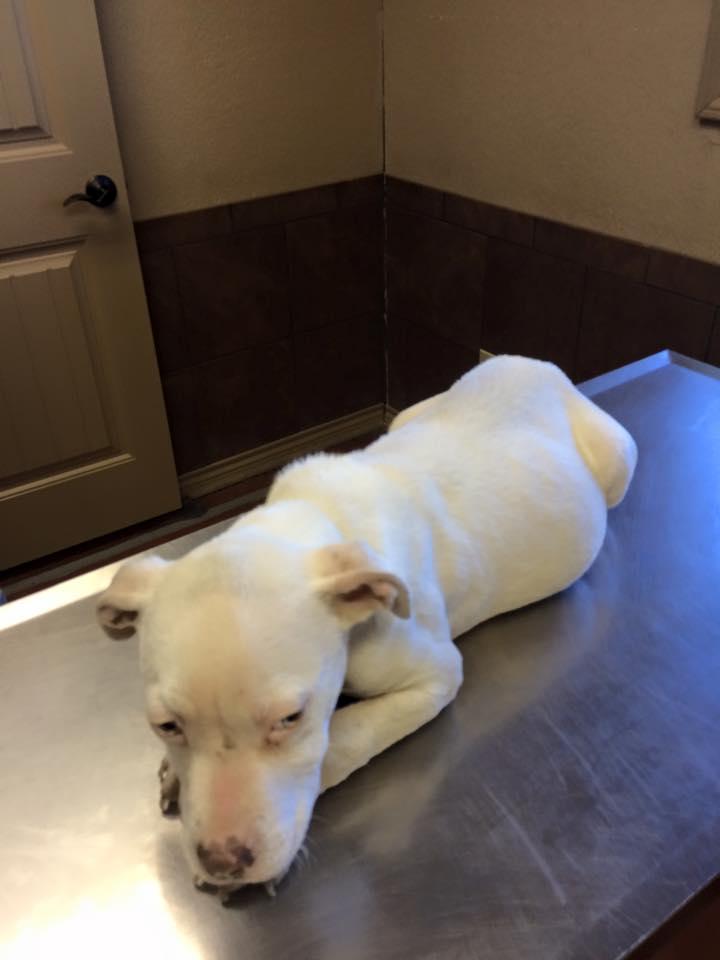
356,575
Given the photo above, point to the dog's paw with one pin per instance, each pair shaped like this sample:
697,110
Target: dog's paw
335,769
169,789
200,883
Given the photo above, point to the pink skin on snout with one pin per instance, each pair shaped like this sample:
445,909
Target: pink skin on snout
225,794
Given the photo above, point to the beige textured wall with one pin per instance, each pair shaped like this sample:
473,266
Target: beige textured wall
580,110
223,100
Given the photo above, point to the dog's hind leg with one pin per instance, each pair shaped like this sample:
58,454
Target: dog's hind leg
606,446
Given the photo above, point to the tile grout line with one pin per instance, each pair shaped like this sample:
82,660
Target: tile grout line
293,331
578,330
384,240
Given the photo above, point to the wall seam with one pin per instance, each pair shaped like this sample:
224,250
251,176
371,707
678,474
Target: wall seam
384,241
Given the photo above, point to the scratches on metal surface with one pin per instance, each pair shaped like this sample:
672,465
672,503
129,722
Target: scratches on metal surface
537,856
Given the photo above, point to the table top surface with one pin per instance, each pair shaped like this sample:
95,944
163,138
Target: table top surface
562,808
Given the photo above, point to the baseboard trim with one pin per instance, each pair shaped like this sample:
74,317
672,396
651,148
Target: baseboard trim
390,414
271,456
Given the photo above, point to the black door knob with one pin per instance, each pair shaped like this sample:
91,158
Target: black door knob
100,192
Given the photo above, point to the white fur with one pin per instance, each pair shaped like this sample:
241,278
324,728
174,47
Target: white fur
357,573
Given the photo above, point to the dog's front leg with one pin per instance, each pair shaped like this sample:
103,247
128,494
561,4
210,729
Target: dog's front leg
169,788
362,730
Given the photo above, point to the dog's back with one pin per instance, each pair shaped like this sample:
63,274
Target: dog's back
527,467
516,392
502,483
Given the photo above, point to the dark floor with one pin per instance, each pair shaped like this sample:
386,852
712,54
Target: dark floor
694,934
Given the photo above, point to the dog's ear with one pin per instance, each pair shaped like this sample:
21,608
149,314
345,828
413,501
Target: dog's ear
354,582
124,600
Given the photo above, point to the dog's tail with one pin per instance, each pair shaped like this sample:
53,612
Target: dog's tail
605,445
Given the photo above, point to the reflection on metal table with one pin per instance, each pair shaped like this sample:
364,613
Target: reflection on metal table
562,808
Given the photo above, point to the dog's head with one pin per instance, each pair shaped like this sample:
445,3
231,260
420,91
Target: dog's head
243,652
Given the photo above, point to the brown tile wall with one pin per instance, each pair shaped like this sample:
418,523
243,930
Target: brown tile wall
462,275
274,315
267,315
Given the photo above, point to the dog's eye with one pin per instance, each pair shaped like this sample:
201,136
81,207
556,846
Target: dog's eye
170,729
291,720
283,726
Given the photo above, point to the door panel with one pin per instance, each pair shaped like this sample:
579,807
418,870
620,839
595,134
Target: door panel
21,113
51,394
84,442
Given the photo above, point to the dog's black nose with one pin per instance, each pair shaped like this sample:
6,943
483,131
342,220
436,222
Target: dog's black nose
229,859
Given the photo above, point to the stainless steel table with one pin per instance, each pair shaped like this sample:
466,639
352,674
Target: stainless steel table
563,807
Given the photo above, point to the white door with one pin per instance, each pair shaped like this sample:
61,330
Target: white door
84,443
